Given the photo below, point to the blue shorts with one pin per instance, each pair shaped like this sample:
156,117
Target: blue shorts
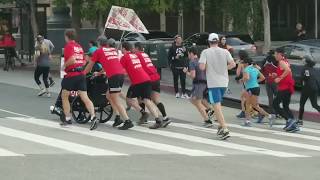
216,94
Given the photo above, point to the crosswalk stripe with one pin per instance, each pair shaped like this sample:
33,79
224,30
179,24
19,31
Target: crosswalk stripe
217,143
254,138
295,135
4,152
118,138
61,144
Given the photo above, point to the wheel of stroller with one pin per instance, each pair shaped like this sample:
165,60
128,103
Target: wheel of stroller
105,113
79,112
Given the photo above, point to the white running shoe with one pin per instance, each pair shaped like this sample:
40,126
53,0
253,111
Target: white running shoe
177,95
42,92
185,96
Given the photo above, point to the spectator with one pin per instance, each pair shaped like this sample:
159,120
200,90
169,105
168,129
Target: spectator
177,61
223,44
300,32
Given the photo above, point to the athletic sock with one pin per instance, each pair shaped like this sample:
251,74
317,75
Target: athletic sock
162,109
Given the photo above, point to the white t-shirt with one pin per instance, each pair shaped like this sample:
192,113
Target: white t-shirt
216,60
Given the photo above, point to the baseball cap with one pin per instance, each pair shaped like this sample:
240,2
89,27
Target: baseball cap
213,37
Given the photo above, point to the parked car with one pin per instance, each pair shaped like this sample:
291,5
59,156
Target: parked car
236,40
156,44
295,52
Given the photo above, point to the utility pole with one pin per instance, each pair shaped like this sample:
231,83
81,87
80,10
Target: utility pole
316,18
202,16
180,20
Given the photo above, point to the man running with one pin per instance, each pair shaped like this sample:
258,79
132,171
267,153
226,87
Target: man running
140,81
151,70
108,57
75,79
217,61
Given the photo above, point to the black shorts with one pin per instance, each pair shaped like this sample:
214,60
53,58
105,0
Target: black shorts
254,91
75,83
142,91
155,86
115,83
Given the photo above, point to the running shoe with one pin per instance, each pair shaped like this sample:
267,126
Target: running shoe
207,124
126,125
42,92
210,113
166,122
219,131
293,128
241,115
225,134
117,121
52,82
271,118
63,120
300,122
177,95
291,123
260,118
185,96
144,118
156,125
247,123
94,124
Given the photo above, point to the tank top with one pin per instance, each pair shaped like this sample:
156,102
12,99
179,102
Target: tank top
287,83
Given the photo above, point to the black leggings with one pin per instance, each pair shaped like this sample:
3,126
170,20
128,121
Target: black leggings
176,74
283,97
45,73
312,95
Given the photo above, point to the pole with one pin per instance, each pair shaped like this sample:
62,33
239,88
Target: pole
316,18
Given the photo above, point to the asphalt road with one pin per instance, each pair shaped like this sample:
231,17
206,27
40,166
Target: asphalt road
34,147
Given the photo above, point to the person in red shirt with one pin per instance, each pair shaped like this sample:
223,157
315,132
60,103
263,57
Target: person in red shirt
141,86
283,77
108,57
151,70
75,79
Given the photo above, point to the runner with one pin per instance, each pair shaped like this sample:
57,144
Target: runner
285,82
75,79
151,70
199,86
310,87
140,81
251,78
217,61
108,57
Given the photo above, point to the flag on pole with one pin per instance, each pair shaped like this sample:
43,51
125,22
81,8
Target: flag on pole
124,19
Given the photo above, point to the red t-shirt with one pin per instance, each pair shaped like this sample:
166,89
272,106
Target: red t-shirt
73,49
147,66
108,58
286,83
134,69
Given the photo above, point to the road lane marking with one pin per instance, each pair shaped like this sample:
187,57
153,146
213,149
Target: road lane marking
219,143
10,112
118,138
254,138
61,144
4,152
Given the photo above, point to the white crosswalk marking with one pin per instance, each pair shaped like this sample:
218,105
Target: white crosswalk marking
119,138
4,152
219,143
69,146
254,138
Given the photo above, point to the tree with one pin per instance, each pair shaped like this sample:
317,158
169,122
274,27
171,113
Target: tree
266,17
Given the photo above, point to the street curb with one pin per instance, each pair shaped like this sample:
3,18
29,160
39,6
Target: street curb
229,102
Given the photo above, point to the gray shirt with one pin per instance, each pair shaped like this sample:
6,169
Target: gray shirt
216,60
43,60
194,65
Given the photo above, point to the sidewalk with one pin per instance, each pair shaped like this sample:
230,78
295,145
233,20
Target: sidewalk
234,95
